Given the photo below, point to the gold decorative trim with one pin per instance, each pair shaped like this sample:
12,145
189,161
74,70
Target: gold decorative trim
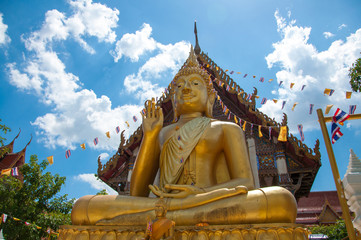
247,231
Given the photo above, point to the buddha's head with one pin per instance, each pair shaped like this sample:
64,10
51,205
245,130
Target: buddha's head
191,90
160,208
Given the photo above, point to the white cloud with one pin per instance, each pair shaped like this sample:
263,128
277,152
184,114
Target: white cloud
95,183
4,38
133,45
301,63
328,35
168,60
342,26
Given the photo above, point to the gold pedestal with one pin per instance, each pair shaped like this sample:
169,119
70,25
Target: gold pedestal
214,232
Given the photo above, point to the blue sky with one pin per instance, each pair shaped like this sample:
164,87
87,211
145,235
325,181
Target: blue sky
73,70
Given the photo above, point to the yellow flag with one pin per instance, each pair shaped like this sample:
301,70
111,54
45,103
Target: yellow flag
254,76
283,134
16,219
226,112
275,100
218,97
238,72
294,105
207,65
82,145
126,122
256,96
259,131
50,160
327,91
244,126
108,134
6,172
217,68
222,84
328,108
348,95
292,84
38,227
226,70
270,80
235,119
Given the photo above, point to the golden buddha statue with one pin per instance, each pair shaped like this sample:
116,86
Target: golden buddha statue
161,227
205,172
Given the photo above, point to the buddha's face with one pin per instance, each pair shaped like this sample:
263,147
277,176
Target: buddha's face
191,94
159,211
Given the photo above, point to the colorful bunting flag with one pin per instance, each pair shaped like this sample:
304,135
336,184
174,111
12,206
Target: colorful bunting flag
261,79
244,126
4,217
270,80
50,160
256,96
226,70
227,88
254,76
107,134
335,132
117,129
275,100
340,116
328,91
328,108
245,75
27,224
264,100
300,129
6,172
294,105
217,68
291,85
238,72
96,141
126,122
280,83
303,87
251,128
143,112
231,72
135,118
14,172
229,116
352,109
269,133
16,219
283,104
67,154
259,131
249,97
235,119
348,95
282,137
311,108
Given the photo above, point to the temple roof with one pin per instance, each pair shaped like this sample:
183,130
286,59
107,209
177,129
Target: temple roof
11,159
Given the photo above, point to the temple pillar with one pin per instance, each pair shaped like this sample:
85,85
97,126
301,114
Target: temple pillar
253,159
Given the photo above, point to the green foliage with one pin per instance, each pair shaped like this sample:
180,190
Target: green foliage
103,192
34,200
3,129
355,76
334,231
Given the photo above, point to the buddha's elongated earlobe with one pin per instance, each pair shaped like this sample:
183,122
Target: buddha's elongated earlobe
175,113
210,103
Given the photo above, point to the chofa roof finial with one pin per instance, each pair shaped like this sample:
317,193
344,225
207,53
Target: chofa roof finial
197,48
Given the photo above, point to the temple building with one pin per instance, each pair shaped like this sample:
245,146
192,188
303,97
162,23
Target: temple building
9,159
290,164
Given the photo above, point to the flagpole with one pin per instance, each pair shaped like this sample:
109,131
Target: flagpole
336,176
352,117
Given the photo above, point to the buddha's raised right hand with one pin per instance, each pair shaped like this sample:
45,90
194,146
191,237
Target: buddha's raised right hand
153,119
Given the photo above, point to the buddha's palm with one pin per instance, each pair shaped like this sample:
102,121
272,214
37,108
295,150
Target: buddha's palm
153,120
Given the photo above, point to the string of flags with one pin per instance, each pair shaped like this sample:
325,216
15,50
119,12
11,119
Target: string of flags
5,217
10,172
327,91
338,118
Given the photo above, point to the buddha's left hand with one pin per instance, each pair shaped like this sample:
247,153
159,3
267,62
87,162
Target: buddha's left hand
183,190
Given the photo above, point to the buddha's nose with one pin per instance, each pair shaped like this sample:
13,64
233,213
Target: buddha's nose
186,90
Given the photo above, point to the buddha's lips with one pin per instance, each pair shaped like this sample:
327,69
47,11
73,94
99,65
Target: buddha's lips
187,96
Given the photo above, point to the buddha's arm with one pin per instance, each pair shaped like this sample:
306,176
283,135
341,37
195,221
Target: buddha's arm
147,162
236,154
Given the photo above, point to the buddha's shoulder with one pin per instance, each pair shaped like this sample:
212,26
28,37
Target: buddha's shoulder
224,124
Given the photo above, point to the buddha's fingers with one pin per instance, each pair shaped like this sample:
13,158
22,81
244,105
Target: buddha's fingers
148,106
176,187
153,108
